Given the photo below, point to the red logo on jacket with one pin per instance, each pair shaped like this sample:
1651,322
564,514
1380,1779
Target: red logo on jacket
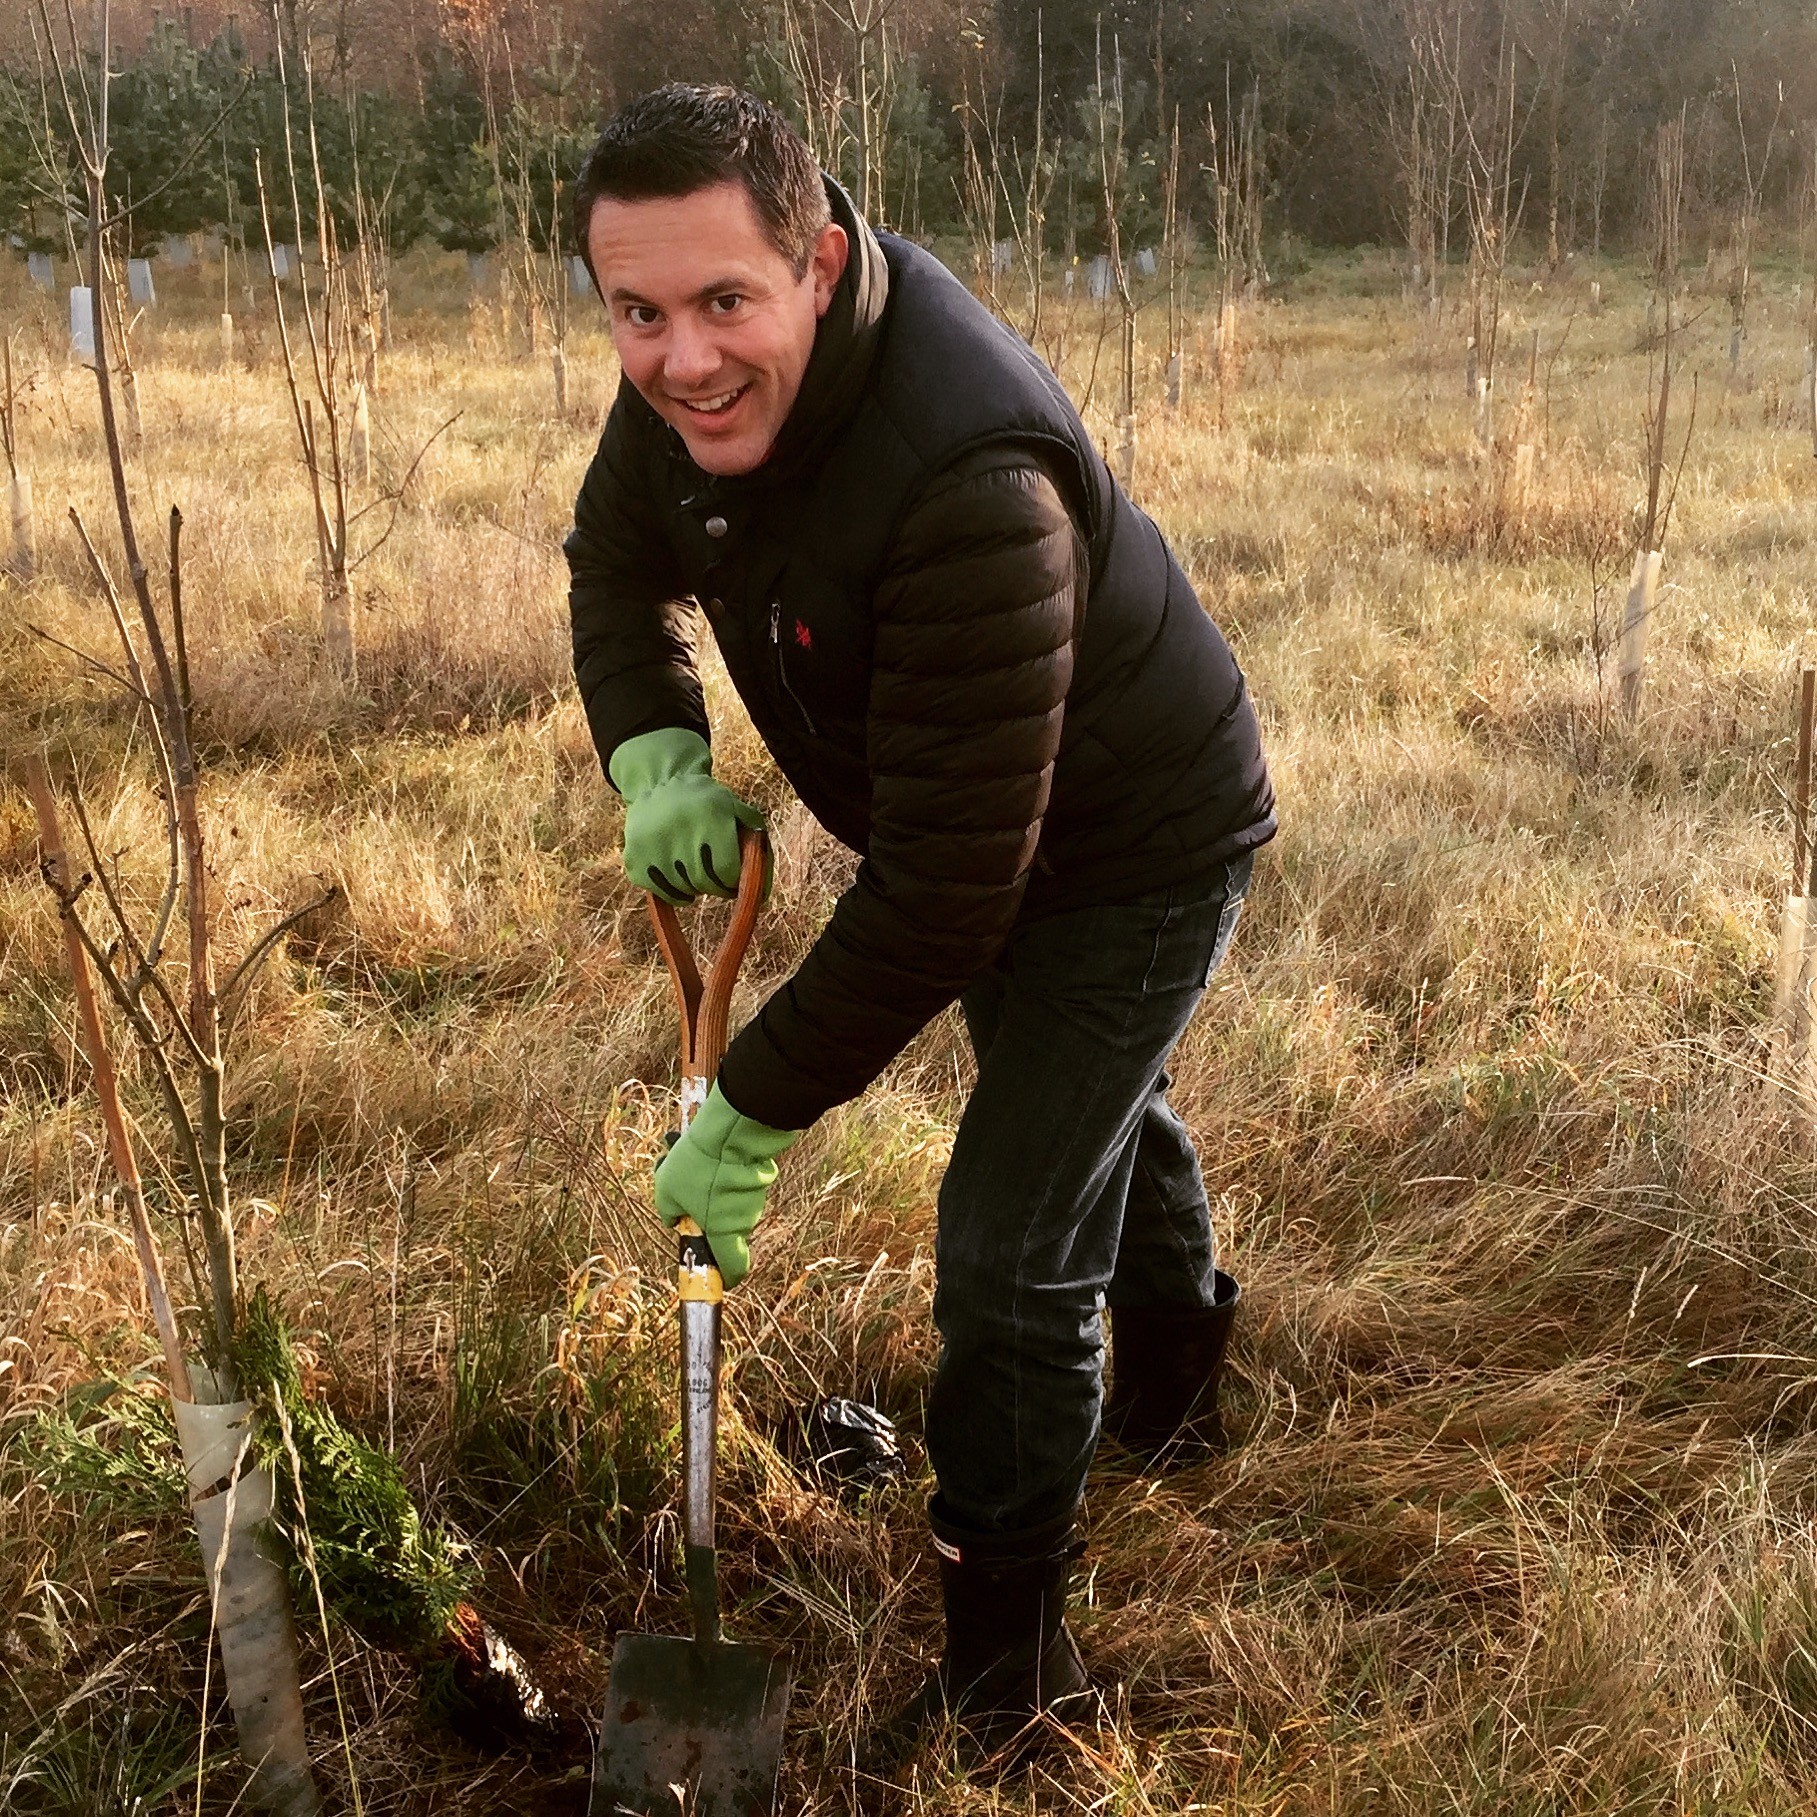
803,635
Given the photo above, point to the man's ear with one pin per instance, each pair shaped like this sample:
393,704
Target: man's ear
827,266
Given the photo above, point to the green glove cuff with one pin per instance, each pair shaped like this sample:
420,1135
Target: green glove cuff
649,760
719,1174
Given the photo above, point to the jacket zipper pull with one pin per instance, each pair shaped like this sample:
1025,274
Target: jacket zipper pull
782,673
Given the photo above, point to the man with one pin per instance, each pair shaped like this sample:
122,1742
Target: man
980,668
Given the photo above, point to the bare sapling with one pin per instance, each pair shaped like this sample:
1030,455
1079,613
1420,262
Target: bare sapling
1599,187
1035,176
980,189
231,1498
558,357
322,417
1493,217
866,26
1174,259
1113,173
1423,128
179,1040
1746,229
1810,329
1235,174
1021,184
1662,479
1557,69
371,255
817,77
1797,925
520,254
22,562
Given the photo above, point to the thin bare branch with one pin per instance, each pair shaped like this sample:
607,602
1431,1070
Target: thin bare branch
243,973
124,683
395,497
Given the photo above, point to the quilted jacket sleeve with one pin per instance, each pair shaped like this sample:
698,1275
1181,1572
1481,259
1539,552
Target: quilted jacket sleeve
633,626
976,623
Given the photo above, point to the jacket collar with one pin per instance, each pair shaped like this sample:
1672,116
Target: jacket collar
844,347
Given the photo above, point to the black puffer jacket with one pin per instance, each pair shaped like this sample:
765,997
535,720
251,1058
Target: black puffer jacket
973,658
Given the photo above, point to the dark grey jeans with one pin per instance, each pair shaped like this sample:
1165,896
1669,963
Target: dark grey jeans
1072,1185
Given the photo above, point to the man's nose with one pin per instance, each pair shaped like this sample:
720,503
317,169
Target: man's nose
692,358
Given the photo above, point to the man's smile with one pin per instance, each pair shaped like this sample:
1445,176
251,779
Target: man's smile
716,405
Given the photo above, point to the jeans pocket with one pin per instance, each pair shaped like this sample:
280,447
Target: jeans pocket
1237,874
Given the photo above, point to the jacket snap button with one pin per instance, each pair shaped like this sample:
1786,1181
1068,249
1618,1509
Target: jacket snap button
716,526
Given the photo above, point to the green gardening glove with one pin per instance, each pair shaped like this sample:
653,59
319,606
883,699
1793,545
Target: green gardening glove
719,1173
681,827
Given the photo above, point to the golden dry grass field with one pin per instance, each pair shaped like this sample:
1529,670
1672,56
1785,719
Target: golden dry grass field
1524,1516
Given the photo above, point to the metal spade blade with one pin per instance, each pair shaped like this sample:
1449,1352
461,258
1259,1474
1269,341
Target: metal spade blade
705,1719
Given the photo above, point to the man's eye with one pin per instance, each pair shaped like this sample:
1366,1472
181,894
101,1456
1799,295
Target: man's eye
642,315
727,304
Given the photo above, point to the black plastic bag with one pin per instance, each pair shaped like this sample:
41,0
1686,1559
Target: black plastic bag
847,1446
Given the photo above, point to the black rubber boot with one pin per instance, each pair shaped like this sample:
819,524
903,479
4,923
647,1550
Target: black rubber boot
1009,1655
1165,1366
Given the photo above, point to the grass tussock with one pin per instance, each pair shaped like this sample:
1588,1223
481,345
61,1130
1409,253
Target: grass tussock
1522,1519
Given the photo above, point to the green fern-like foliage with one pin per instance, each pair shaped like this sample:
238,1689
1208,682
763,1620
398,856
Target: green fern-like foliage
343,1505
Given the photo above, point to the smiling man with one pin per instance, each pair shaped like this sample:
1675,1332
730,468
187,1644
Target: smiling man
981,668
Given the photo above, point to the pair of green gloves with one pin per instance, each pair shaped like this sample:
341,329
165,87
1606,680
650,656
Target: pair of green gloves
681,841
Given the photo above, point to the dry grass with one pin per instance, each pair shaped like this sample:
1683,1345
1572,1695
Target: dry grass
1524,1516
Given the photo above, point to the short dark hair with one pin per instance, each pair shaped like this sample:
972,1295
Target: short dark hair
687,136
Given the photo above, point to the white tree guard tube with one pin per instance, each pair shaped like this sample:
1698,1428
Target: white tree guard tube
251,1602
25,532
1631,660
1792,984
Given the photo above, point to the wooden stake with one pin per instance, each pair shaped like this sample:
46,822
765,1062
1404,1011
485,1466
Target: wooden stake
100,1060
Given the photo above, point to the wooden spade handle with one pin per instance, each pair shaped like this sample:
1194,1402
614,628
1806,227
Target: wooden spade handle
706,1010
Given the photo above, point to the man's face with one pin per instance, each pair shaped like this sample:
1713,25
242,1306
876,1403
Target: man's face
711,323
